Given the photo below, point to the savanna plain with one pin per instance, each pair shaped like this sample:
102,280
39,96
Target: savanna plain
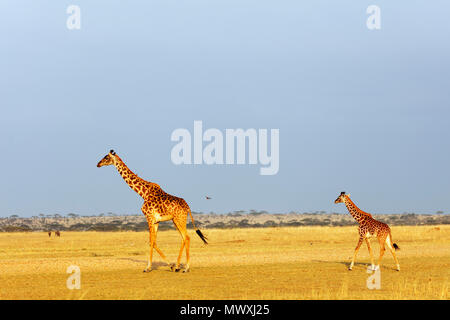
260,263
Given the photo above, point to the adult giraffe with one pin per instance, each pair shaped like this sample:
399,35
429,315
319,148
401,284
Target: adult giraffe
158,206
369,227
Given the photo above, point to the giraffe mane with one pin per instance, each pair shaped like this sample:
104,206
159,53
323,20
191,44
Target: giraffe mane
149,188
354,205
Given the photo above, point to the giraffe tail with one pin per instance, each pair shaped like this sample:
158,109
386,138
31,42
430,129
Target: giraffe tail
197,230
394,245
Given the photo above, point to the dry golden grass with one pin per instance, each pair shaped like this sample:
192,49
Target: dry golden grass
270,263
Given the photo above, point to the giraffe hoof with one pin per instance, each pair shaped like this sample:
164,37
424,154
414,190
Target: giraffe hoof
147,270
177,270
186,270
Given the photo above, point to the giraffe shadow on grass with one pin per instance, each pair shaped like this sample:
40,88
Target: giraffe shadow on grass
156,265
365,265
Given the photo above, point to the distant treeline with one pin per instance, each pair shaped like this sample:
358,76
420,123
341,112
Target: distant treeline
237,219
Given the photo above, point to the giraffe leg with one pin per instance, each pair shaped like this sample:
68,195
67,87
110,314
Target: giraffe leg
180,254
161,254
153,234
388,242
382,249
156,225
187,241
152,238
153,230
354,254
371,254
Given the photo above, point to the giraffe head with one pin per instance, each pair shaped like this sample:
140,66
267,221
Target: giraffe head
341,197
107,160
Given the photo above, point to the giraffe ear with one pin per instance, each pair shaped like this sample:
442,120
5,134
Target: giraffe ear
112,152
342,193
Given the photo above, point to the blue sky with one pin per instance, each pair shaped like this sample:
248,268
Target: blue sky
365,111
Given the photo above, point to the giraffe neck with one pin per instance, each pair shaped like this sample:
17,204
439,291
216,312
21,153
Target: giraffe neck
137,184
355,212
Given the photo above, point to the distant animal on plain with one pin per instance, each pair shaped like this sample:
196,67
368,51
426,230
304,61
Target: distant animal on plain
57,233
49,233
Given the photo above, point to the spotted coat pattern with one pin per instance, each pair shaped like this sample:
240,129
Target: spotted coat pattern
158,206
369,227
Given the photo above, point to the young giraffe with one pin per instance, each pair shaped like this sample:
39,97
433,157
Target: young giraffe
158,206
369,227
